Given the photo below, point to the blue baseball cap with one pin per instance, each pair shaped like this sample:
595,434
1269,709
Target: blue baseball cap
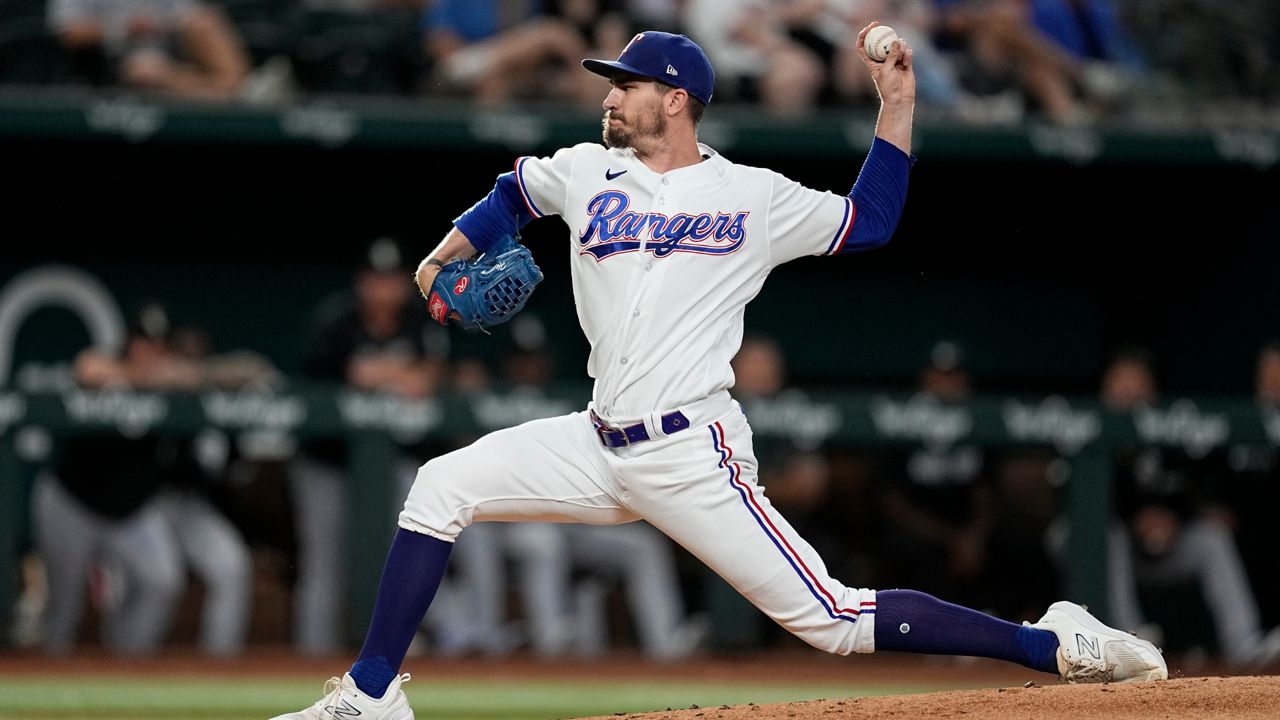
671,59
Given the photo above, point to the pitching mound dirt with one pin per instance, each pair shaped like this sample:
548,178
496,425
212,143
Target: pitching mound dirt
1204,698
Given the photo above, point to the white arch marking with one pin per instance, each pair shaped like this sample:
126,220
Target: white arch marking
63,285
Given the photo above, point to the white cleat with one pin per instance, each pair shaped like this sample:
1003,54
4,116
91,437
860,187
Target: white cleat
1090,652
344,701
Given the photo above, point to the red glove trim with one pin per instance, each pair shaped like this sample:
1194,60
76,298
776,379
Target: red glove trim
438,308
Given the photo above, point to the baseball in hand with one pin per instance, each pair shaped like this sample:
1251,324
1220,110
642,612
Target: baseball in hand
878,40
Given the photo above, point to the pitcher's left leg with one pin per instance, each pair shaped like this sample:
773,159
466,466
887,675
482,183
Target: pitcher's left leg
700,489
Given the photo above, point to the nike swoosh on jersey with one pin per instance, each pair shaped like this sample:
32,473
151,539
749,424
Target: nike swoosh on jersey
614,175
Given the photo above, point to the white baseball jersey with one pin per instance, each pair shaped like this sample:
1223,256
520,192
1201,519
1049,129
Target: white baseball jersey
664,264
663,267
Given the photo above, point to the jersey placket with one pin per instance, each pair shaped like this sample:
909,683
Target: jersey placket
640,299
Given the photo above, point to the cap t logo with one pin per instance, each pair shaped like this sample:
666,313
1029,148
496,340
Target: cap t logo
671,71
634,40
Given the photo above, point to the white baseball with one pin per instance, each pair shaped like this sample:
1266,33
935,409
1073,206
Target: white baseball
879,39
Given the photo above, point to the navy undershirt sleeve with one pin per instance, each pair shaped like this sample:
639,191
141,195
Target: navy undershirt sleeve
502,213
879,195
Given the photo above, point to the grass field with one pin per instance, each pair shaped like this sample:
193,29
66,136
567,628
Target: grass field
130,698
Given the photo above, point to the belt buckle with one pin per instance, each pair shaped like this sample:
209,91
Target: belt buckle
602,429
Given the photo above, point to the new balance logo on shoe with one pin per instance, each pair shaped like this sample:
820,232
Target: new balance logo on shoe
347,710
343,700
671,71
1092,648
1090,652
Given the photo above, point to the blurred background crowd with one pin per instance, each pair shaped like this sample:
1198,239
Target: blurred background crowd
1071,62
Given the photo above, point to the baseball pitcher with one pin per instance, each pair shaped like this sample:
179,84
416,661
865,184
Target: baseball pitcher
668,242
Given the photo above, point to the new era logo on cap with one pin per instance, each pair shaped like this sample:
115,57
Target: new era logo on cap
672,59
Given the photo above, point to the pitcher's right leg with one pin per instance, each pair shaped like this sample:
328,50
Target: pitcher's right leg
543,470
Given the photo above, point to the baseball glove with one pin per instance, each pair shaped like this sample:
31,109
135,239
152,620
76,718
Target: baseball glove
485,291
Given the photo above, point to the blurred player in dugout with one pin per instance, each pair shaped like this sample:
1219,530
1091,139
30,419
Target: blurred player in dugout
1174,528
138,513
947,512
1252,489
372,338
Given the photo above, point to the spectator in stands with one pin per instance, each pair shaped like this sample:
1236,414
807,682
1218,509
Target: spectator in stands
475,50
938,499
661,15
915,20
181,48
792,55
1171,530
375,338
755,57
134,511
1173,34
828,31
1070,57
604,27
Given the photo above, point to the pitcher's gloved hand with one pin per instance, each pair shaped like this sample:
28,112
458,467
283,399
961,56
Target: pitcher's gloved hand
485,291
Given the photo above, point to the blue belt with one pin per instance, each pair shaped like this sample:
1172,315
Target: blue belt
672,422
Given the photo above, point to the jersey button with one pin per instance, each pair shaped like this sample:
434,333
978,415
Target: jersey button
624,361
665,181
648,266
635,314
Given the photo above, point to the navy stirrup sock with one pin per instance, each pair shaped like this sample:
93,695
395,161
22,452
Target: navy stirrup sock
415,565
910,621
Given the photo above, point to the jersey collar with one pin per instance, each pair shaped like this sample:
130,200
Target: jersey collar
713,162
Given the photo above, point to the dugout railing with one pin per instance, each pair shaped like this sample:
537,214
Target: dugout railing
1078,428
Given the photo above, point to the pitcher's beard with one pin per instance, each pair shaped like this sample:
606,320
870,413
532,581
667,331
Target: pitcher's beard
615,137
618,137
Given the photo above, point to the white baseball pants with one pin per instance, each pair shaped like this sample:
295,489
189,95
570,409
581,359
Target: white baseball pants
698,486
